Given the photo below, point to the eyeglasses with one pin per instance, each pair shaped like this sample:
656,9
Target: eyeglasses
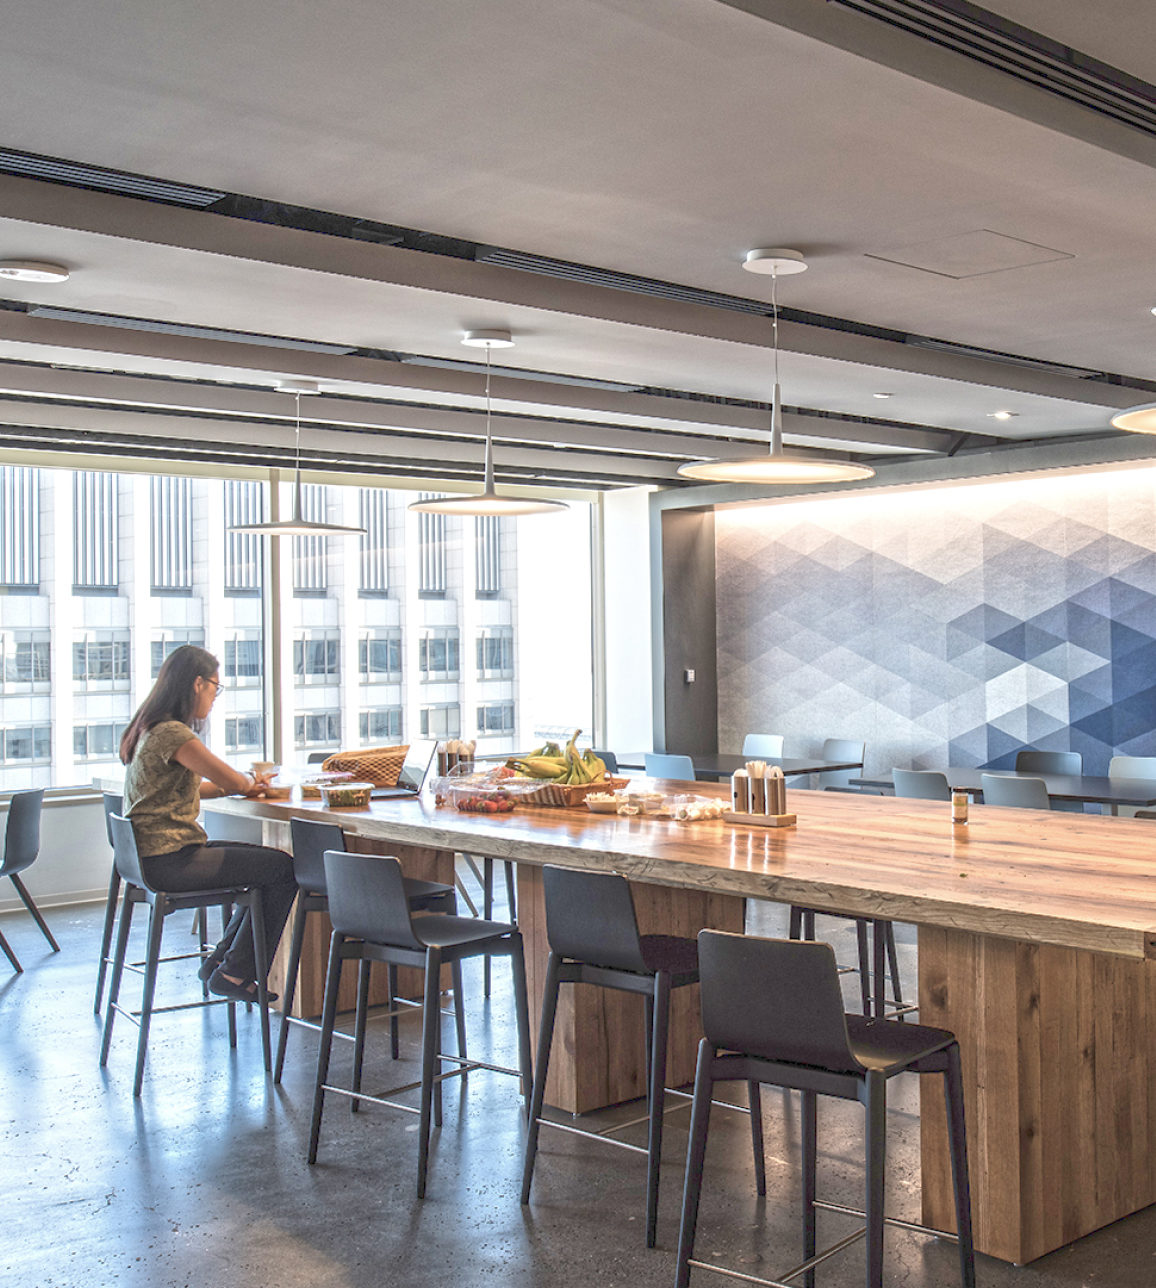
217,683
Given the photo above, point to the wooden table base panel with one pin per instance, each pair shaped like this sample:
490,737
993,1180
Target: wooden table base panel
599,1056
424,864
1059,1083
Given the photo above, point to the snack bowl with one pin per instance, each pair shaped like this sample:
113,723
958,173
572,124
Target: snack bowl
602,803
346,795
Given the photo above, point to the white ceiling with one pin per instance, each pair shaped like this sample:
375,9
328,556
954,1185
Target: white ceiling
662,141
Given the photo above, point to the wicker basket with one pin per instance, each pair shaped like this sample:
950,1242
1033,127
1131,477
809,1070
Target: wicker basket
570,795
377,765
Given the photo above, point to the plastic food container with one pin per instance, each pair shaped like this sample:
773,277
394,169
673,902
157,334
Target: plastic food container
482,798
346,795
602,803
311,787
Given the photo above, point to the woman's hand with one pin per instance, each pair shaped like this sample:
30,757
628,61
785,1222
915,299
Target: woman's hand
195,756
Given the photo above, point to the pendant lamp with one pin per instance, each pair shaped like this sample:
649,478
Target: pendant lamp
296,525
488,502
1138,420
777,465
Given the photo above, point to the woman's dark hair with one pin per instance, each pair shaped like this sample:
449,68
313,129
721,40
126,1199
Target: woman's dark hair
173,696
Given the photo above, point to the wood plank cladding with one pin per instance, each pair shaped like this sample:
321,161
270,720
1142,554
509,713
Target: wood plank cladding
1059,1083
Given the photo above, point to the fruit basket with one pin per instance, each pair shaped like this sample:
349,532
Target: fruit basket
569,795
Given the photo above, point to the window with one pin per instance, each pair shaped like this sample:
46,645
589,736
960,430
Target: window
102,658
431,555
26,659
379,657
309,553
317,659
438,653
441,721
171,640
496,717
496,653
171,535
380,725
244,503
26,743
487,555
94,510
244,661
374,515
244,733
96,741
19,527
317,729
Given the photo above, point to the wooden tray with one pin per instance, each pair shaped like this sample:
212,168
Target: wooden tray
761,820
569,795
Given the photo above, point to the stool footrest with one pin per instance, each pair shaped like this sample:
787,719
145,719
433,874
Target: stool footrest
817,1259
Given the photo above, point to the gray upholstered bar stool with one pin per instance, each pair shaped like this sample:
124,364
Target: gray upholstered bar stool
311,838
372,922
161,903
772,1013
21,846
593,934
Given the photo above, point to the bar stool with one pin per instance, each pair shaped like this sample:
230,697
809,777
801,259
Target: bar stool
311,839
772,1012
21,846
372,922
593,934
161,903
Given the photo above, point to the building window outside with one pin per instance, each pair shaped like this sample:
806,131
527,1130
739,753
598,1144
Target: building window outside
94,542
97,741
26,743
317,659
496,653
104,657
26,660
487,556
374,515
379,657
433,563
317,729
441,721
244,503
244,733
439,651
381,725
496,717
171,534
169,642
19,527
244,661
310,554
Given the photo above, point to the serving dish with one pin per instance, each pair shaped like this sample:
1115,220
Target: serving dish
346,795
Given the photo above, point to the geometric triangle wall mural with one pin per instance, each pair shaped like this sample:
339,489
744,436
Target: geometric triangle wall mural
945,626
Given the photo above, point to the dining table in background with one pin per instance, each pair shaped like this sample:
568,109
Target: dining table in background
1037,934
715,766
1091,789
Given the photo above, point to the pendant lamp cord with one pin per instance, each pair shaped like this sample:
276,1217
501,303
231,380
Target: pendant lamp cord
776,397
488,483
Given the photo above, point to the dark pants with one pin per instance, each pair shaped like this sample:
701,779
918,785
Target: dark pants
232,863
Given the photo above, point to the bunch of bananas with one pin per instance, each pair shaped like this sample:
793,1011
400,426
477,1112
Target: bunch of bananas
564,766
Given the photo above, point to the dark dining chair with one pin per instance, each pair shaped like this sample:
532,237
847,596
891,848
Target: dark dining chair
21,846
772,1012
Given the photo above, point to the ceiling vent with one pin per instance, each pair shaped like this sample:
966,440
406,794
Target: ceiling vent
993,40
180,328
77,175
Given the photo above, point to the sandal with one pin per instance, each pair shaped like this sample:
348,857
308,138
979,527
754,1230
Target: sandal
212,962
222,986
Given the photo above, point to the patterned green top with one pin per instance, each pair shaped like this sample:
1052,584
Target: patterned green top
161,796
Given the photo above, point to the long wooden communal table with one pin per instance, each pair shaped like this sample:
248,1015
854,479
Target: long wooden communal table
1037,934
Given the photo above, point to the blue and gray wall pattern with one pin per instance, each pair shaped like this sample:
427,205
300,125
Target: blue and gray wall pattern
948,625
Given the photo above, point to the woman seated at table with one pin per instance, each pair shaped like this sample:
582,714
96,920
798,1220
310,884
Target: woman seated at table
170,771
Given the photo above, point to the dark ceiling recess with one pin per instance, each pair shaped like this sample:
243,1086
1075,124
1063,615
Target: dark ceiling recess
1027,55
236,206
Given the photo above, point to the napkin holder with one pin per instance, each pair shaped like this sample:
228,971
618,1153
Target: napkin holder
757,785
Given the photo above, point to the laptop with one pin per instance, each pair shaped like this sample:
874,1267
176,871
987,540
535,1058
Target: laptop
414,771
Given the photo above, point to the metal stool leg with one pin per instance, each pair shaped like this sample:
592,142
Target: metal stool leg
328,1016
755,1099
893,958
864,964
657,1101
522,1017
261,956
487,915
541,1069
957,1140
7,950
226,917
126,909
459,1010
295,945
695,1156
106,936
156,929
359,1029
810,1141
394,1044
876,1173
27,900
431,1026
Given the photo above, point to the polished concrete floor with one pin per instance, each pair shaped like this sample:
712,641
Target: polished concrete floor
202,1183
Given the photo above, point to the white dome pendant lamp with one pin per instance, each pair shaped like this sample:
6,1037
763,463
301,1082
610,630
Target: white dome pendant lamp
777,465
297,525
487,502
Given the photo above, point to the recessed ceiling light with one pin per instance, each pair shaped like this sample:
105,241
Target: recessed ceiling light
32,270
491,338
1152,309
881,395
1002,415
782,263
